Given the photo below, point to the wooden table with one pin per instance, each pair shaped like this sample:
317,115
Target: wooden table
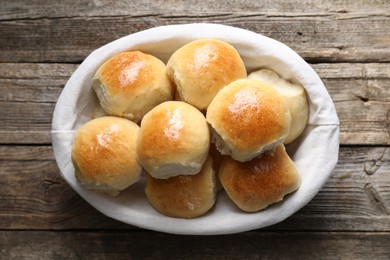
41,44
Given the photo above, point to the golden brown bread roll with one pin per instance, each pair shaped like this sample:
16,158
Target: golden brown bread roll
184,196
202,67
174,140
294,95
247,118
104,154
258,183
132,83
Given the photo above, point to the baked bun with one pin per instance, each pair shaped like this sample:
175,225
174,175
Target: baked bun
184,196
202,67
247,118
132,83
258,183
104,154
174,140
294,96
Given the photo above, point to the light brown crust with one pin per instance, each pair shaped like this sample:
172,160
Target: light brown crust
202,67
173,133
131,83
128,71
104,154
249,115
258,183
294,96
184,196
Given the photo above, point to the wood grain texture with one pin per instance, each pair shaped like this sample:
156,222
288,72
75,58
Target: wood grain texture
16,9
323,38
152,245
34,195
361,94
28,93
347,42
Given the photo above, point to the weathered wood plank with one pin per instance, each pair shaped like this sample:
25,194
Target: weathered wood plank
26,135
41,217
26,115
28,93
317,39
16,9
34,196
26,153
352,70
33,82
153,245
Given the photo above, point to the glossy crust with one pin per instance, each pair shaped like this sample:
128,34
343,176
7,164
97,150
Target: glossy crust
174,140
247,118
104,154
202,67
294,96
256,184
184,196
131,83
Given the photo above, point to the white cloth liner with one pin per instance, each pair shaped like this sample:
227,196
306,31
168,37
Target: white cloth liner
315,153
